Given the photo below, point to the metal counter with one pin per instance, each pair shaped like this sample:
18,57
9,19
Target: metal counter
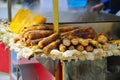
82,17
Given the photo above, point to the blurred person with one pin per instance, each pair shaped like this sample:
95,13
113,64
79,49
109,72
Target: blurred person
4,0
31,4
28,2
112,5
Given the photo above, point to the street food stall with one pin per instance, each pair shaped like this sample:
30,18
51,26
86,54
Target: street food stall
73,46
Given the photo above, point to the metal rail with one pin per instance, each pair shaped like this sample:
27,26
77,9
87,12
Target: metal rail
9,10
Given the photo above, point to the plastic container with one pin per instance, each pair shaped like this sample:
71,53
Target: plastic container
77,3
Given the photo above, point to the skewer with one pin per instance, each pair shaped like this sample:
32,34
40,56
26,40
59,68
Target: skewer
55,15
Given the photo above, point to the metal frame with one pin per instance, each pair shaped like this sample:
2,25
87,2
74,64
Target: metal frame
9,10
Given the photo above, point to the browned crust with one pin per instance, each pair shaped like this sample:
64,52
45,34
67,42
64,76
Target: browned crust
51,46
48,40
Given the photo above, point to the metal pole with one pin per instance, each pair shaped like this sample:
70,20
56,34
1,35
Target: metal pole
9,10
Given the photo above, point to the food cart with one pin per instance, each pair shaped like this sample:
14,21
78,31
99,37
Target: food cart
65,69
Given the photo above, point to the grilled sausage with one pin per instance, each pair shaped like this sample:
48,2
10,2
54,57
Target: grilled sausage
35,27
66,28
102,39
75,41
94,43
33,42
89,48
36,34
66,42
51,46
71,47
62,47
83,42
80,48
48,40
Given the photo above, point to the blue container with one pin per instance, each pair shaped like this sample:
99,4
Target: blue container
77,3
14,56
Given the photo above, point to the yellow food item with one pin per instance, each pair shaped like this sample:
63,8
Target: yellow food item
25,18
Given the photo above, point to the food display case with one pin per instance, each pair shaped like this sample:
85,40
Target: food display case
37,67
71,70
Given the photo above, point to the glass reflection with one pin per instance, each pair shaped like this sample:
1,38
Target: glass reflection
84,9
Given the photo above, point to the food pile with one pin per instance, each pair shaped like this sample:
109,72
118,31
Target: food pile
69,43
29,36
